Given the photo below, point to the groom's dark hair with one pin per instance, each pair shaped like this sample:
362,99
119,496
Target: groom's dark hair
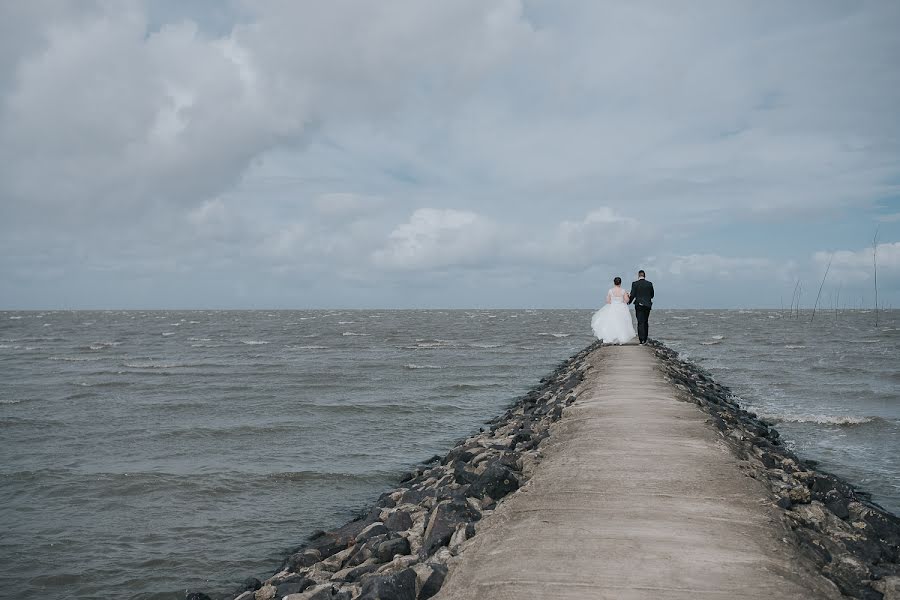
641,273
617,280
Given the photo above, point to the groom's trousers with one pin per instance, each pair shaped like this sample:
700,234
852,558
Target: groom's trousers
643,321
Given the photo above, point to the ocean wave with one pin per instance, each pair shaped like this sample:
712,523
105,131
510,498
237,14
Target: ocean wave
306,347
76,358
353,333
556,335
484,346
153,364
839,420
412,366
794,347
346,322
9,401
718,337
711,343
254,342
102,345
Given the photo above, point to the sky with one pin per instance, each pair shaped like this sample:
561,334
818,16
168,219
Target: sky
432,154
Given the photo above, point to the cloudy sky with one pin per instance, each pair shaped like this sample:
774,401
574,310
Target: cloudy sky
410,153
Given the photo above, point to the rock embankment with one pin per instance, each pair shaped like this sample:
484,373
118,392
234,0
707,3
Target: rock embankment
399,549
853,541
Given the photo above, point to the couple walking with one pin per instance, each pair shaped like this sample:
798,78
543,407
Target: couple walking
612,323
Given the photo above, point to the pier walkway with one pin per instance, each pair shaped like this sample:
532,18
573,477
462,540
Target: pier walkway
636,497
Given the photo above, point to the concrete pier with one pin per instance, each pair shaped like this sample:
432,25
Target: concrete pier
636,497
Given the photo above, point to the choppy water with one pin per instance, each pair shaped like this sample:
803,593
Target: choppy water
145,452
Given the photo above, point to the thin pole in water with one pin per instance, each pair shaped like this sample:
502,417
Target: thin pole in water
820,289
875,268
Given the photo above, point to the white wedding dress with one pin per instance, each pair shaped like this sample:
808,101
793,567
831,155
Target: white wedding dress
612,323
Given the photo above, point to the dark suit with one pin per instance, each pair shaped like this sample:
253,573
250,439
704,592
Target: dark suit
642,296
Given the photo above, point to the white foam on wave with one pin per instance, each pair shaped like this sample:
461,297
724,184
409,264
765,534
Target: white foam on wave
481,345
150,364
556,335
712,343
718,337
307,347
167,333
817,419
103,345
682,318
14,318
351,333
346,322
412,366
794,346
76,358
254,342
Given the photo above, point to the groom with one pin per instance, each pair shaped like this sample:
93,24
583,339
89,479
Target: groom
642,296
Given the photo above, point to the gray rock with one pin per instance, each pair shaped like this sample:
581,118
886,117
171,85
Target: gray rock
396,586
377,528
444,519
399,521
293,587
496,481
433,583
388,549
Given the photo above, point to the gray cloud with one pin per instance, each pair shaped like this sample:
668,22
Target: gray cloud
379,146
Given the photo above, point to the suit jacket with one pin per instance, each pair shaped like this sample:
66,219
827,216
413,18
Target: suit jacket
641,293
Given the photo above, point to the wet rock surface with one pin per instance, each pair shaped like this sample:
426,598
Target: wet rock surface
850,539
399,548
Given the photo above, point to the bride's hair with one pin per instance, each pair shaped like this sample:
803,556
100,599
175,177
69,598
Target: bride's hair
617,281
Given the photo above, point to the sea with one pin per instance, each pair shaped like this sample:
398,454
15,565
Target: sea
145,453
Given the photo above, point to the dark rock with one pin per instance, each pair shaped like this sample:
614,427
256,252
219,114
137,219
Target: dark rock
333,542
355,574
251,584
386,501
304,558
837,504
196,596
372,530
496,481
434,582
443,521
293,587
327,592
396,586
784,502
388,549
398,521
407,476
415,496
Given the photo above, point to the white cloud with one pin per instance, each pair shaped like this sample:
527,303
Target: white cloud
857,265
435,239
706,267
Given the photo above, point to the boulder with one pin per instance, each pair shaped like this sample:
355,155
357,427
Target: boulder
432,584
399,521
266,592
495,481
388,549
396,586
443,521
293,587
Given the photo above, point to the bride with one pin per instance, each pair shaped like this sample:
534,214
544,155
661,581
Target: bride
612,323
